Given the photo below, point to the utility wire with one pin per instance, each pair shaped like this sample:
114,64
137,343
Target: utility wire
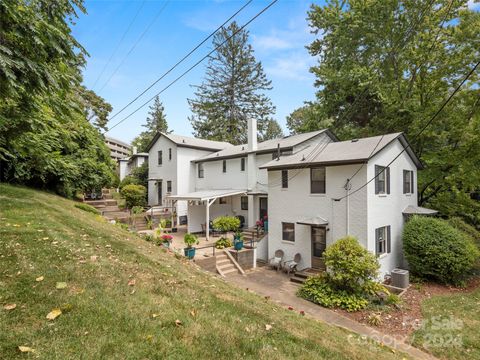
194,65
119,43
155,18
181,60
429,122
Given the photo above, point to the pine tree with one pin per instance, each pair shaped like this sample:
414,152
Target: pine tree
156,122
272,130
232,91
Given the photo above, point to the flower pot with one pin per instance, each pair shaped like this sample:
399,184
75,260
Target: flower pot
166,244
189,252
174,230
238,245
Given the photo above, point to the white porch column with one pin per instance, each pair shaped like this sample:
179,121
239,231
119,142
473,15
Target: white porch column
207,218
252,169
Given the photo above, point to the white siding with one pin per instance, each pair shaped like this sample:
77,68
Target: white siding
296,203
215,178
386,210
167,171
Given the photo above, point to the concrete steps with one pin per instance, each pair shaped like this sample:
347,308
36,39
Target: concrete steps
300,276
101,203
225,265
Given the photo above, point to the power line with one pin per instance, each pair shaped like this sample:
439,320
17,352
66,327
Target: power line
194,65
119,43
420,132
135,44
182,59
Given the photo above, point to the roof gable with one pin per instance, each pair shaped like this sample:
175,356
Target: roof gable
190,142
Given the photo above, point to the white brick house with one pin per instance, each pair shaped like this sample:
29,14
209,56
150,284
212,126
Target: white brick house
313,203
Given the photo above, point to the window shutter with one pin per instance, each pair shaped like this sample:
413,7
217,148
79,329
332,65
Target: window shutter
387,179
412,190
377,190
376,241
389,241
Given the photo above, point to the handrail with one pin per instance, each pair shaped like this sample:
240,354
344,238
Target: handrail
239,268
206,247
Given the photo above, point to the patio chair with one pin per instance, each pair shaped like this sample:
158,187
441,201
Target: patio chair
242,220
290,266
276,261
214,232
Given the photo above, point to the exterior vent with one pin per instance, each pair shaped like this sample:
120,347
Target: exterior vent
400,278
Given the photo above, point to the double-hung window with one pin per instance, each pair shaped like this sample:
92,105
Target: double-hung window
408,182
317,180
383,240
169,186
288,231
284,179
244,202
200,170
160,157
382,180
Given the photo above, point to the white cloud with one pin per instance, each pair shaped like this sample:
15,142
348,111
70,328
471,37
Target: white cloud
473,5
271,42
293,66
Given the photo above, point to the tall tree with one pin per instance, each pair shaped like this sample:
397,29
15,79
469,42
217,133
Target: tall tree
46,139
272,130
233,90
156,122
96,108
387,66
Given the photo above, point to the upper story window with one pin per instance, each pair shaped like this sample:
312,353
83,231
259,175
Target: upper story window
169,186
284,179
160,157
382,180
317,180
169,154
224,166
200,170
244,202
288,231
382,240
408,182
242,164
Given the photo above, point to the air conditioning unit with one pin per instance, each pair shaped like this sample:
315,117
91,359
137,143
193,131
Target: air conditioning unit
400,278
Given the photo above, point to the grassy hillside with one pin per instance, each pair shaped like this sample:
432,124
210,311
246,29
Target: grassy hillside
126,299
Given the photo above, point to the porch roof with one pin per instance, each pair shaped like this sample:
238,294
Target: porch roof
313,221
418,210
207,194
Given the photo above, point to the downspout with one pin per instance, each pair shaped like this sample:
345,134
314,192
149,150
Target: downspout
348,187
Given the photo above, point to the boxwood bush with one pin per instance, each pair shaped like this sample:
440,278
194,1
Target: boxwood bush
135,195
438,251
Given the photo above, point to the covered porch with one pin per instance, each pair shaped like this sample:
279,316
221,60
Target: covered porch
205,205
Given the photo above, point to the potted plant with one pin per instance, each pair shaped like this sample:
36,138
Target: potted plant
265,223
238,241
166,240
190,240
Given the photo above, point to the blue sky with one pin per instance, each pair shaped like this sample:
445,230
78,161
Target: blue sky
279,37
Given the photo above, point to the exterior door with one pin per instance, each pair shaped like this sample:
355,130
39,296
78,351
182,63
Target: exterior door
159,189
263,207
319,244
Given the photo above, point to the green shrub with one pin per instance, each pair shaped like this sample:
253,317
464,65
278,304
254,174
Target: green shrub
128,180
350,266
350,281
223,243
148,237
88,208
318,290
226,223
436,250
468,229
135,195
137,210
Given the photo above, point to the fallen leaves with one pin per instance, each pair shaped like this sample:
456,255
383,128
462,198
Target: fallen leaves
26,349
268,327
40,278
61,285
9,306
131,282
52,315
178,322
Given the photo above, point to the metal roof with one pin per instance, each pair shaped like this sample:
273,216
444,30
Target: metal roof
418,210
264,146
342,152
192,142
315,221
207,194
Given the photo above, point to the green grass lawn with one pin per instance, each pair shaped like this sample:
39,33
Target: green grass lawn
452,327
126,299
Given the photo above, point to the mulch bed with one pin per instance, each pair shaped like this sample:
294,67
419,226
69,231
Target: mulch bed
401,320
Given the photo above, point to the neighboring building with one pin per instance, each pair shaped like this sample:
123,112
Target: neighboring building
315,198
170,170
118,148
126,165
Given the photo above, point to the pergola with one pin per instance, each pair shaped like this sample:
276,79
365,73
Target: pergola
209,196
